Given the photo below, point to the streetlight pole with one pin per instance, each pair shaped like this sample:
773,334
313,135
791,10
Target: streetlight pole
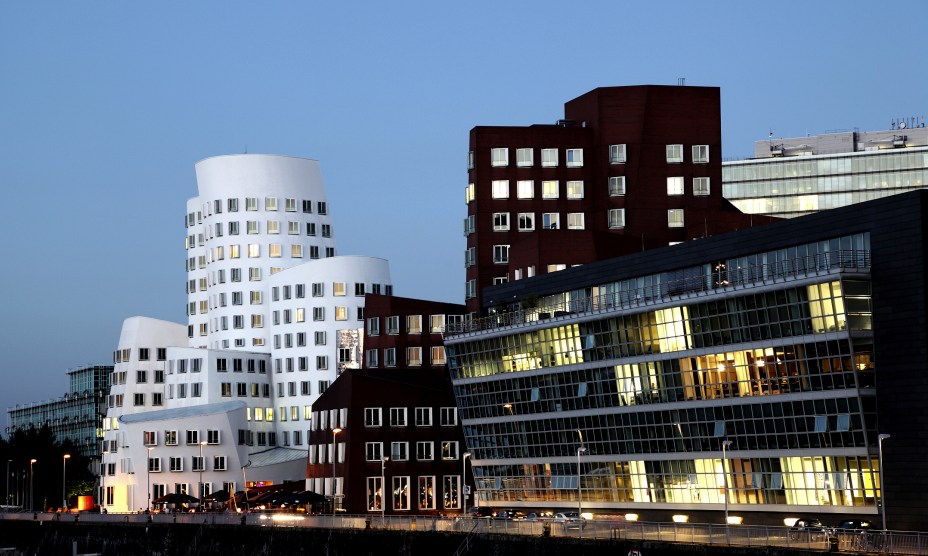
580,449
465,455
147,478
202,465
7,492
103,481
64,480
335,432
725,445
32,492
245,480
880,440
383,490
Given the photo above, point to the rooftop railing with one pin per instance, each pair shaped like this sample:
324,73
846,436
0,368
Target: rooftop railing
721,280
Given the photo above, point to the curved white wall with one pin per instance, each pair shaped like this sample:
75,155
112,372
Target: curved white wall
255,215
309,314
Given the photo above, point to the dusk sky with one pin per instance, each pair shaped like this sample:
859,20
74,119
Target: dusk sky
105,107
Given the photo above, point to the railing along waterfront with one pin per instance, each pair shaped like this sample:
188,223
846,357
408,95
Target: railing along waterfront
749,536
719,281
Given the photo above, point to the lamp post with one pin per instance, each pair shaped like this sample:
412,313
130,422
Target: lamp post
335,432
103,481
147,478
202,465
383,490
7,492
580,449
64,479
880,440
725,445
32,492
465,455
245,480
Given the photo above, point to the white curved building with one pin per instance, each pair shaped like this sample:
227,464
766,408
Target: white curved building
317,315
255,215
273,317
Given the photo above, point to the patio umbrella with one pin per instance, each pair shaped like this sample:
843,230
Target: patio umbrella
219,496
175,498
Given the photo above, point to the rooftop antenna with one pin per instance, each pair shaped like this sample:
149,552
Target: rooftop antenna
246,149
681,81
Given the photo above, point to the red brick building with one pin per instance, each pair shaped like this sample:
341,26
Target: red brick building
628,169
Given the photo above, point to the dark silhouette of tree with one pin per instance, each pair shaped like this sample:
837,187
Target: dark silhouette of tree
47,471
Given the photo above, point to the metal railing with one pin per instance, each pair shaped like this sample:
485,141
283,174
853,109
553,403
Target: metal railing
749,536
720,280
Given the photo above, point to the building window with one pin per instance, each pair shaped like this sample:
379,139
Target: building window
616,186
219,463
296,251
401,493
500,189
616,218
373,416
501,254
372,357
393,324
254,250
451,486
575,190
177,464
674,153
524,157
526,221
438,355
322,208
270,203
425,450
154,465
617,154
449,450
139,400
196,464
397,416
341,313
318,313
192,437
574,158
499,157
389,357
675,185
700,187
675,218
212,436
525,189
318,289
375,494
550,189
373,326
436,324
575,221
373,451
170,438
399,451
470,160
322,363
414,356
423,416
500,221
548,158
273,226
449,416
469,193
700,154
550,220
414,324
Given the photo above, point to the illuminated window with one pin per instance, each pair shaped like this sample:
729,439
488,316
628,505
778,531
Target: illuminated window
574,158
338,289
700,186
617,154
524,158
674,153
254,250
675,218
525,189
273,227
700,154
616,218
575,221
499,157
270,203
550,189
274,250
548,158
550,220
675,185
575,190
500,189
616,186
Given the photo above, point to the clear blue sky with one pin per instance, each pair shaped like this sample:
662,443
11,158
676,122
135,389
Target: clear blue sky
105,107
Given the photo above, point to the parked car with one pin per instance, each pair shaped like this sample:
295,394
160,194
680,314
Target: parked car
539,516
809,529
509,514
567,516
481,511
854,526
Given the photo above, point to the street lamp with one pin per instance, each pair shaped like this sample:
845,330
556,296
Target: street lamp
147,478
31,492
202,465
465,455
335,432
725,445
7,492
580,449
245,479
103,481
64,479
383,490
880,440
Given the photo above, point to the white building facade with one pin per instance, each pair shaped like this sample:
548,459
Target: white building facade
273,317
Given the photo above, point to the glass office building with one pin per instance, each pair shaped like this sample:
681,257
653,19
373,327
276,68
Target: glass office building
735,371
793,177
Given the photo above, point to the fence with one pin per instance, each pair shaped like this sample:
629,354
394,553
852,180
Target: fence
749,536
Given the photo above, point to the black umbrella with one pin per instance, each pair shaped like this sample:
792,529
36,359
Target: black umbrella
175,498
305,497
219,496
